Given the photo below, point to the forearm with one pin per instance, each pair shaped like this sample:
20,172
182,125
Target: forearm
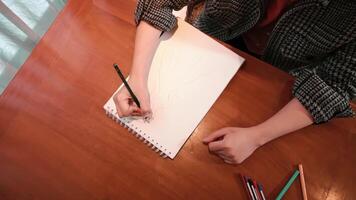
291,117
146,43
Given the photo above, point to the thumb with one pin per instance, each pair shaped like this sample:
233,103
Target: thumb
215,146
215,135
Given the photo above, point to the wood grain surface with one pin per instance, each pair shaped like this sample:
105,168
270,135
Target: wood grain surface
57,143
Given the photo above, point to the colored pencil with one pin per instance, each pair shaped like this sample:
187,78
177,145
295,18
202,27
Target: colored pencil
302,182
287,186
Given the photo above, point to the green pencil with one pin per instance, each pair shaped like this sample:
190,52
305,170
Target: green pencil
287,186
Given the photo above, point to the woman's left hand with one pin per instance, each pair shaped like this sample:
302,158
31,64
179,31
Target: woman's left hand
234,144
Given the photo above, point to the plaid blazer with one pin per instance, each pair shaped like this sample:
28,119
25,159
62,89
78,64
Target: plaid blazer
315,41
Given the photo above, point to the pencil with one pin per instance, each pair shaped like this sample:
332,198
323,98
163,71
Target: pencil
302,182
250,184
254,191
246,187
260,188
287,186
134,98
259,196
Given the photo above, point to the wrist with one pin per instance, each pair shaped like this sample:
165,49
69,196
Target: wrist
138,79
139,72
260,134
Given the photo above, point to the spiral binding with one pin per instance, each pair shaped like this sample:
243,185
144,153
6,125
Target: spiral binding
137,134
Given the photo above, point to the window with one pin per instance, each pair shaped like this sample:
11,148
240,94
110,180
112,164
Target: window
22,24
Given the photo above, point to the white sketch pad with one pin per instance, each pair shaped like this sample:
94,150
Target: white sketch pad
188,73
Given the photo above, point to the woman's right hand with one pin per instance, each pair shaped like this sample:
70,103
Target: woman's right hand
125,106
146,43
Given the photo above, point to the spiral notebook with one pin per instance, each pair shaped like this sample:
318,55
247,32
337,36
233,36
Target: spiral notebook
188,73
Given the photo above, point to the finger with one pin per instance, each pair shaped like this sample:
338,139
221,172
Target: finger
224,157
118,110
134,109
148,115
229,162
146,112
217,134
223,152
122,107
125,107
136,113
130,110
145,106
115,98
216,146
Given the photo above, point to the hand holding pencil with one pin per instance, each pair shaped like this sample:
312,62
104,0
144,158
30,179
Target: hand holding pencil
133,99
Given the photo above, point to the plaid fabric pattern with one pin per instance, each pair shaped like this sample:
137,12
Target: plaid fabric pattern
227,19
158,13
326,88
315,41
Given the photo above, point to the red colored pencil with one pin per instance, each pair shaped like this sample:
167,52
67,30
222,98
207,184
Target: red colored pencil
244,182
257,190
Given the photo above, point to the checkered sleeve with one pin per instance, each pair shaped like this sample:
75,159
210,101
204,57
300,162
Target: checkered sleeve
326,89
158,13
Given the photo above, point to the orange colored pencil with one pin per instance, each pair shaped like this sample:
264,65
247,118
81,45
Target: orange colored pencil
302,182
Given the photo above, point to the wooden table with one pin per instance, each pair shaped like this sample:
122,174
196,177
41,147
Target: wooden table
57,143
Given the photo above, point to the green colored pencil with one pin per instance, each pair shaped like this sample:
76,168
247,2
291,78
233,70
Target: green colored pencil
287,186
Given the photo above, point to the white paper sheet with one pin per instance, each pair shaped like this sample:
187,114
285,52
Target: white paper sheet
188,73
